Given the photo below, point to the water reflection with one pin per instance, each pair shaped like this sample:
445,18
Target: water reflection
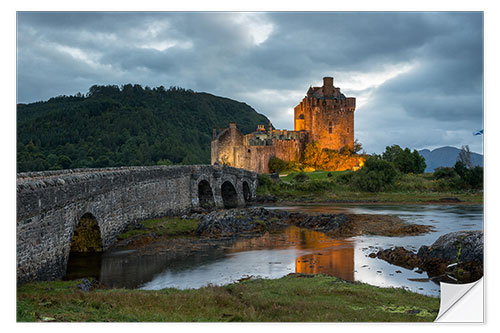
331,256
274,255
335,262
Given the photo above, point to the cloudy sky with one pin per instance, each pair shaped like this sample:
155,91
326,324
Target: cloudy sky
417,77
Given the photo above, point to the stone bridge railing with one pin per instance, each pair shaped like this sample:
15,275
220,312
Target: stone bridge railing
50,205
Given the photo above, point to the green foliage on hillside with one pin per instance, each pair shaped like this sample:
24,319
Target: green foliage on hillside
125,126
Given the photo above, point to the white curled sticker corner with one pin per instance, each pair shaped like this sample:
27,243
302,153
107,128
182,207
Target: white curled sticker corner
461,303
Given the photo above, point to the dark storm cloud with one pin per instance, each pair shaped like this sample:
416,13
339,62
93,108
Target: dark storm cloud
426,68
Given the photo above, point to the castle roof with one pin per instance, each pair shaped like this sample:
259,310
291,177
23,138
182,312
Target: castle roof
317,92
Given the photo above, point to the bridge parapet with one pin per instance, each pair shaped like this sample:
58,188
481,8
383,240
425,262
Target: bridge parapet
50,205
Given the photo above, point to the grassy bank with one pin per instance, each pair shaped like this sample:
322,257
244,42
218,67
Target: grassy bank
303,298
161,227
322,186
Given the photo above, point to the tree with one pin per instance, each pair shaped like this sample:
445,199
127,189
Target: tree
125,125
404,160
419,164
357,146
64,161
313,155
465,157
164,162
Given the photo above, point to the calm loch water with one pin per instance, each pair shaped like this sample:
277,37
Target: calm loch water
293,250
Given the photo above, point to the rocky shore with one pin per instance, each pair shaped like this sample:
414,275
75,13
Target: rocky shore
240,221
457,256
236,221
220,228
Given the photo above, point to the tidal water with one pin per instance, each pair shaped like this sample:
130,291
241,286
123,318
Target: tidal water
293,250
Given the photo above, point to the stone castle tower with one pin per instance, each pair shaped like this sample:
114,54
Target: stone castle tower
324,116
327,115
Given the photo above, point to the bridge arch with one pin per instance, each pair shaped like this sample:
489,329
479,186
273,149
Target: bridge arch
229,195
205,194
87,235
247,195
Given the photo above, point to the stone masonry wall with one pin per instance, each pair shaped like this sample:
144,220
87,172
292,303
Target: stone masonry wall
222,147
50,205
254,158
330,122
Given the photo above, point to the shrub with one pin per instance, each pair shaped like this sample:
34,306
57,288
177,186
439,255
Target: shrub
300,177
444,173
375,176
328,159
312,186
345,178
265,181
471,178
474,177
459,177
412,182
277,164
449,184
460,169
371,181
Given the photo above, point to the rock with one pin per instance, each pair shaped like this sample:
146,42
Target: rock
460,246
399,256
457,254
463,248
234,221
322,222
86,285
275,176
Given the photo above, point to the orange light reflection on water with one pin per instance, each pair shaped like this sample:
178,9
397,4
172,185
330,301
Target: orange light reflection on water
330,256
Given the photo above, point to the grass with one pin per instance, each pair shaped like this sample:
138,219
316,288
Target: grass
167,226
409,188
294,298
315,175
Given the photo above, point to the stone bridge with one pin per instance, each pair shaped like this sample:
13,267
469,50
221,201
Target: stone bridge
52,204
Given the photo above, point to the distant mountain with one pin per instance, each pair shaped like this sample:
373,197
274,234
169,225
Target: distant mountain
446,157
123,126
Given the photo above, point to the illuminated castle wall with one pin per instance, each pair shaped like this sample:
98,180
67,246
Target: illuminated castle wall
325,116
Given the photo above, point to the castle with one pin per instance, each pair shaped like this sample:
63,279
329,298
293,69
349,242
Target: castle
324,116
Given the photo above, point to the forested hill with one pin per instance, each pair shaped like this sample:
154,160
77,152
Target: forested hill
131,125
